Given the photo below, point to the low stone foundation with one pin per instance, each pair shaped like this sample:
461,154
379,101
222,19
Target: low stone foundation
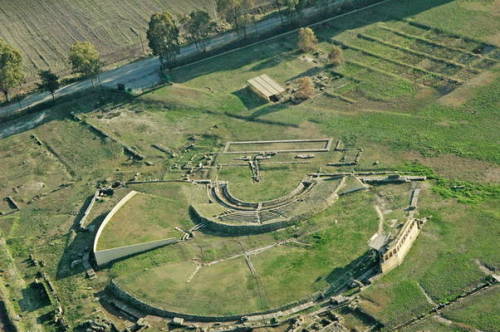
219,227
115,290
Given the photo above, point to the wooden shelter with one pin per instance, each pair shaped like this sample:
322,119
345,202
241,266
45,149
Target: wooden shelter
266,87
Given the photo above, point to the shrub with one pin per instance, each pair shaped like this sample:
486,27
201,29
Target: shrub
306,88
307,39
336,56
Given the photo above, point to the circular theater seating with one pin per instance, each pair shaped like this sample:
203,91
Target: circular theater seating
240,217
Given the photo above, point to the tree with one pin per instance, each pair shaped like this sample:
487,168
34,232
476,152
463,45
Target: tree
307,39
294,8
246,18
85,59
236,13
49,82
291,8
279,4
199,26
245,21
303,4
11,68
163,37
230,11
336,57
305,89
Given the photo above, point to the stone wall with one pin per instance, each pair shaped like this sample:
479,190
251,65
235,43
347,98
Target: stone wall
81,223
222,188
219,227
401,245
106,256
117,291
326,147
248,229
126,148
108,218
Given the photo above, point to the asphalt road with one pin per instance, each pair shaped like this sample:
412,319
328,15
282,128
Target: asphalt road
144,73
136,75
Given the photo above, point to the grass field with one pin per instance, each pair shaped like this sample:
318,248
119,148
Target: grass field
419,92
476,312
149,217
480,311
444,273
34,174
283,274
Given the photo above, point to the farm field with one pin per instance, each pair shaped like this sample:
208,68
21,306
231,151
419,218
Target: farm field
45,30
417,94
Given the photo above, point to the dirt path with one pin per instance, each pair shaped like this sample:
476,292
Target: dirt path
439,308
260,287
427,296
255,251
198,267
447,322
484,268
380,219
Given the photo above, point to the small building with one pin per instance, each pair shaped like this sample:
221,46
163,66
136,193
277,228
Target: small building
266,87
177,321
378,241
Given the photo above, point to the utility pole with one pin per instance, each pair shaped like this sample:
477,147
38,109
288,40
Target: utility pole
140,38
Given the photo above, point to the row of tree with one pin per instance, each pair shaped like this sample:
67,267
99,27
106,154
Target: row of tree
164,31
292,9
83,58
163,36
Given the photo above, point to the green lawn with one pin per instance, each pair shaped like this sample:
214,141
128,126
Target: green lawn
317,262
378,100
449,242
479,311
147,217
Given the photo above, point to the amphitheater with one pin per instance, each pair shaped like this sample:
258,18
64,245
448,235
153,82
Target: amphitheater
224,258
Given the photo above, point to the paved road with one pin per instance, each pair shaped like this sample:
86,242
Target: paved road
137,75
144,74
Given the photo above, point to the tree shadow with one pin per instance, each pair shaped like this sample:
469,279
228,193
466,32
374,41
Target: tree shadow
308,73
78,103
248,98
266,64
276,60
263,121
273,108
